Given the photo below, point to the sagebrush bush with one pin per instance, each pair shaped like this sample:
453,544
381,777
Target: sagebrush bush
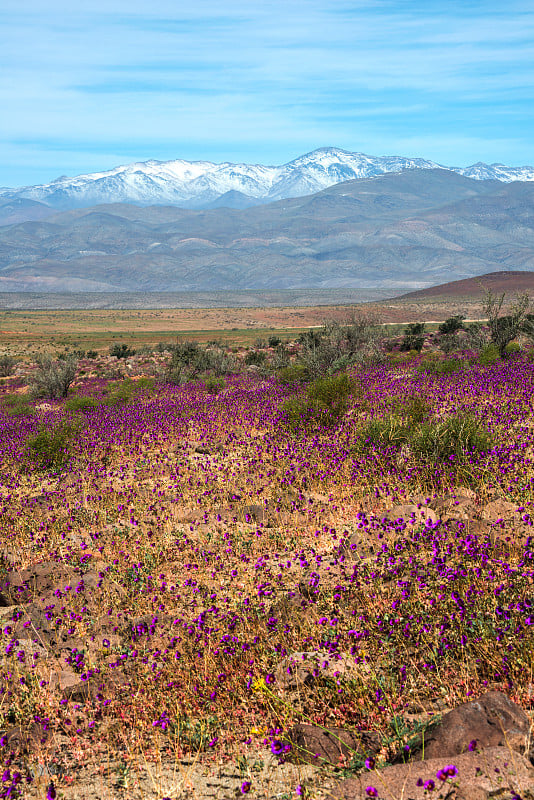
7,366
190,361
51,448
53,378
337,346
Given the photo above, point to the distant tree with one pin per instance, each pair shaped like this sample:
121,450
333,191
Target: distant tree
503,329
452,325
7,366
414,337
121,351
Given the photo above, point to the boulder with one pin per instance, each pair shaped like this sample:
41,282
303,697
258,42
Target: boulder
312,744
495,772
491,721
499,509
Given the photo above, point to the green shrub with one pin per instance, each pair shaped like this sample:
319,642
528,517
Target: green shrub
256,358
442,367
456,436
189,361
336,346
294,373
452,325
91,354
449,342
120,392
127,390
79,403
413,409
330,391
50,448
274,341
144,384
512,347
298,412
121,351
17,405
326,402
398,359
489,355
414,337
214,384
474,337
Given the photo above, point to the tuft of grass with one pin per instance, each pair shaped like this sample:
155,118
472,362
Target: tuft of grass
385,431
453,438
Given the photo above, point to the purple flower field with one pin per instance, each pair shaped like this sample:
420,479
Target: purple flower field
197,572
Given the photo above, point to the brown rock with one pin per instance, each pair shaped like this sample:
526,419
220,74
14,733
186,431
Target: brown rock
409,510
454,506
495,772
491,721
304,668
22,586
499,509
311,744
23,740
256,513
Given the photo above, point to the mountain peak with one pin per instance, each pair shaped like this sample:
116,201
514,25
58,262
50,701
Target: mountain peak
200,184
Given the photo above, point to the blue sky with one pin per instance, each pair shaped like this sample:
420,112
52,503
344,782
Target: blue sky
114,81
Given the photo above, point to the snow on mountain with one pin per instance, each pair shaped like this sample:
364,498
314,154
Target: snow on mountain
199,184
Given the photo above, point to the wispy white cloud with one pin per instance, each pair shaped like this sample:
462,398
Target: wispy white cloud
123,79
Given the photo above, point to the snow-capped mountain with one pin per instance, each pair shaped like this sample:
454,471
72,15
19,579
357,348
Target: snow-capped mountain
199,184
